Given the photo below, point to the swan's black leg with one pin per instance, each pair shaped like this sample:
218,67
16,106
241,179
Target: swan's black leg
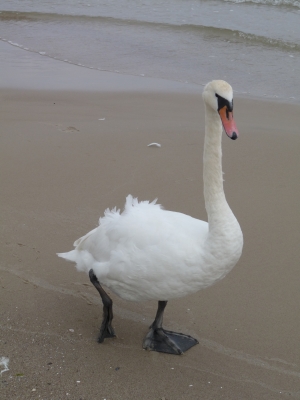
161,340
106,330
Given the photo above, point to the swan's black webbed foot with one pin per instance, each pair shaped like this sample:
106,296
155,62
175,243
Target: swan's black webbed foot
170,342
161,340
106,330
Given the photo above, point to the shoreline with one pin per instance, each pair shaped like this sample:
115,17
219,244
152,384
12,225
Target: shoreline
43,72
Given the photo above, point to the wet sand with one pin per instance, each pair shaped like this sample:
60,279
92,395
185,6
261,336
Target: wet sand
62,165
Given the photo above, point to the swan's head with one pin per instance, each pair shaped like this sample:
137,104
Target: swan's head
218,95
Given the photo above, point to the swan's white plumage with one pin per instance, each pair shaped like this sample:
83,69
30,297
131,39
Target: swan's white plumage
146,252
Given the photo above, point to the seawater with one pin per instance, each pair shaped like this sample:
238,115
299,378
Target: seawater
254,45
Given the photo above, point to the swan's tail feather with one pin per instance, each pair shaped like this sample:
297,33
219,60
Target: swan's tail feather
83,259
69,256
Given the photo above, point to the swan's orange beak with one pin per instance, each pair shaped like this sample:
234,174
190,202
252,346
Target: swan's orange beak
228,123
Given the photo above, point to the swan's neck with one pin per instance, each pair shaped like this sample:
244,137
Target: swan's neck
215,201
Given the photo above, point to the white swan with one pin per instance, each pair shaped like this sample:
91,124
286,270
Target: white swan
148,253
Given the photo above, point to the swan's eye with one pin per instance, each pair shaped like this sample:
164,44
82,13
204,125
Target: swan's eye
224,103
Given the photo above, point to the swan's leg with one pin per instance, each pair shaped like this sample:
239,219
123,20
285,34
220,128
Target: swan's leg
106,330
159,339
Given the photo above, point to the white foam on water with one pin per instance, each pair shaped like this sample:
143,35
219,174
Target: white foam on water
294,3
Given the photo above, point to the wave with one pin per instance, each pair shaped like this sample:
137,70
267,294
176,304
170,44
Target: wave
231,35
208,32
286,3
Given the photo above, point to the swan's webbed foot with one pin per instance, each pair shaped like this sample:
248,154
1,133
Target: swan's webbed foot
106,330
170,342
161,340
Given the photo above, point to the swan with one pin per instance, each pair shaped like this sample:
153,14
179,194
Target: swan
148,253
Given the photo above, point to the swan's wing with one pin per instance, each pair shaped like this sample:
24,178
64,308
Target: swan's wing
144,239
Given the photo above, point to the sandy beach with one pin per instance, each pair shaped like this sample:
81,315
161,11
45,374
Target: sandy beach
68,155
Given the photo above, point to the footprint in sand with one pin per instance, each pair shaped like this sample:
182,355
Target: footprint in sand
68,129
